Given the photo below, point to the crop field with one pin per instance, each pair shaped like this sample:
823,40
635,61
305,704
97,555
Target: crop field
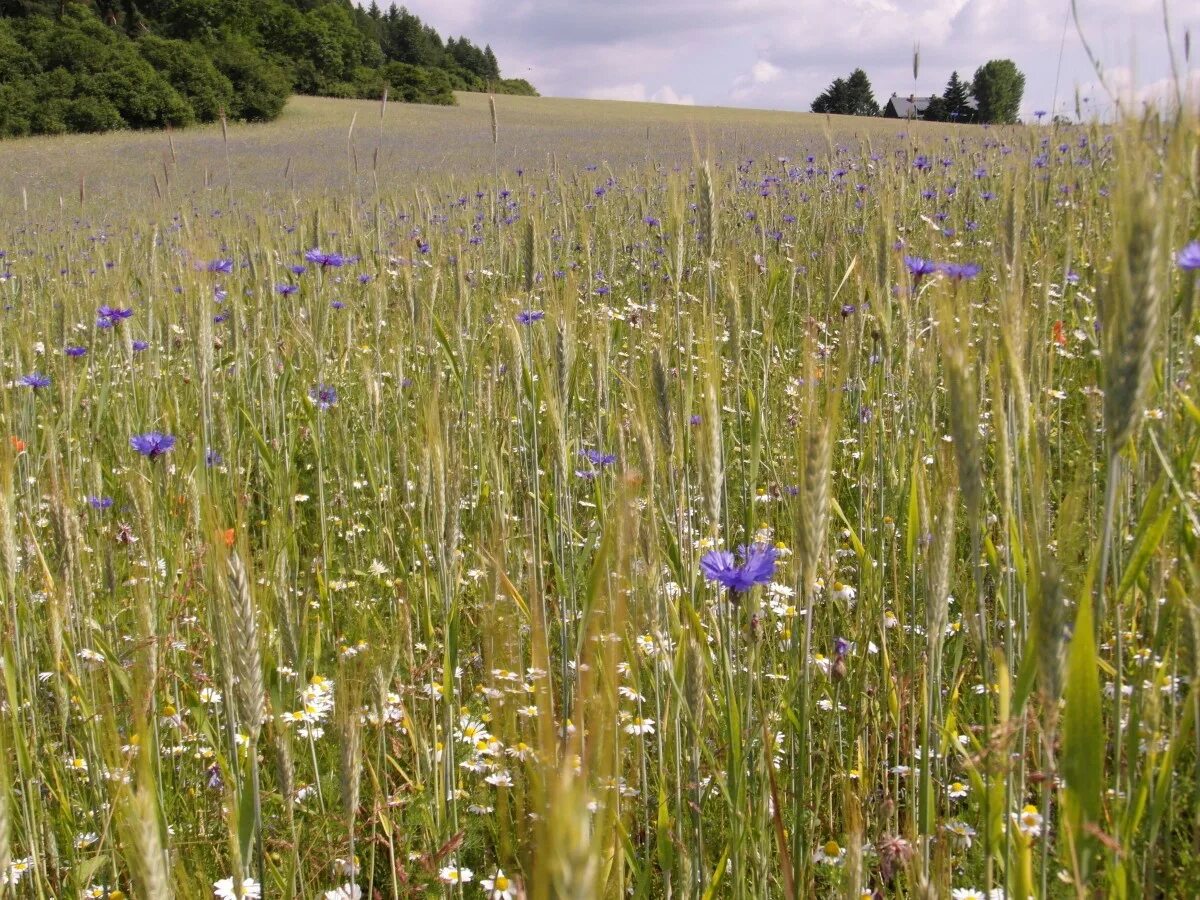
584,499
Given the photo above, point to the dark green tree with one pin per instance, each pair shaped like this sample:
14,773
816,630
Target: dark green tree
956,98
848,97
998,87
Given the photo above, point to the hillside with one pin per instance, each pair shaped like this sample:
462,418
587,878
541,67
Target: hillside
68,66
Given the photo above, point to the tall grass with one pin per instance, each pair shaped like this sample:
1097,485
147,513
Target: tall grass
415,600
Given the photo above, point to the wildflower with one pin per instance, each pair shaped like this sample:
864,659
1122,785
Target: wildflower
960,271
325,260
34,380
843,592
1028,821
919,268
499,886
957,790
139,346
960,833
640,726
598,459
75,352
452,874
1188,258
348,891
225,890
758,567
323,395
499,779
111,315
894,854
285,290
968,894
529,316
152,444
829,854
220,266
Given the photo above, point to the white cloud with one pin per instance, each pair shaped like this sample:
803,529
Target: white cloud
636,91
782,53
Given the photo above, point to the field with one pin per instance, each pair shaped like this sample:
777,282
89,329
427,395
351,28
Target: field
600,500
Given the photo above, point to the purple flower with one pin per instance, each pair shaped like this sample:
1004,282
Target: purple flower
297,270
76,351
34,380
757,567
323,395
100,503
220,266
529,316
598,459
286,289
212,457
338,304
1188,258
152,444
112,314
960,271
918,267
331,260
139,346
841,646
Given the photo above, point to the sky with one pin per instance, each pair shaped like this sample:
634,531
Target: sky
779,54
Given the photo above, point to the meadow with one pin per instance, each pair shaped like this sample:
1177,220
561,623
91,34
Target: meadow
583,499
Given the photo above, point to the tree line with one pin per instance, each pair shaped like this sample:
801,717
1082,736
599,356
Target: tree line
993,95
96,65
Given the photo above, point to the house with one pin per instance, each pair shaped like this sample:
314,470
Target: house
910,107
914,107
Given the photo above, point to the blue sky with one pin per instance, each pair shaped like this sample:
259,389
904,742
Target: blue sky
781,53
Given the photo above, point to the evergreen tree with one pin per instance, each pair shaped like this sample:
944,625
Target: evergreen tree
848,97
956,100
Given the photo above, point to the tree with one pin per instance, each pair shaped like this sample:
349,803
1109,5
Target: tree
848,97
998,86
956,100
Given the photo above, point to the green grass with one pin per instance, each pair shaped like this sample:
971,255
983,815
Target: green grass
378,533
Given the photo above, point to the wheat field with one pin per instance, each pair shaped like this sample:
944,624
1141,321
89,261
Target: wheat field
584,499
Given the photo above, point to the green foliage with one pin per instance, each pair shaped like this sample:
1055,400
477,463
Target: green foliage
68,66
260,88
998,86
954,104
850,96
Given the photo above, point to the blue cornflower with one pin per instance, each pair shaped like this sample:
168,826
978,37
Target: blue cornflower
323,395
139,346
598,459
364,279
100,503
651,221
286,289
1188,258
918,267
960,271
152,444
332,260
76,351
337,304
34,380
297,270
529,316
757,567
212,457
221,266
113,314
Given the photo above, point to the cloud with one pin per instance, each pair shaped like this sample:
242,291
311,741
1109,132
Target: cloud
782,53
637,92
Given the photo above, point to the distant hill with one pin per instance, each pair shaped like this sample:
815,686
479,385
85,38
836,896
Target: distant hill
73,65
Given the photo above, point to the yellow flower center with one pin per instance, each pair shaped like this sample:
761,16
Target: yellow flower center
831,849
501,883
